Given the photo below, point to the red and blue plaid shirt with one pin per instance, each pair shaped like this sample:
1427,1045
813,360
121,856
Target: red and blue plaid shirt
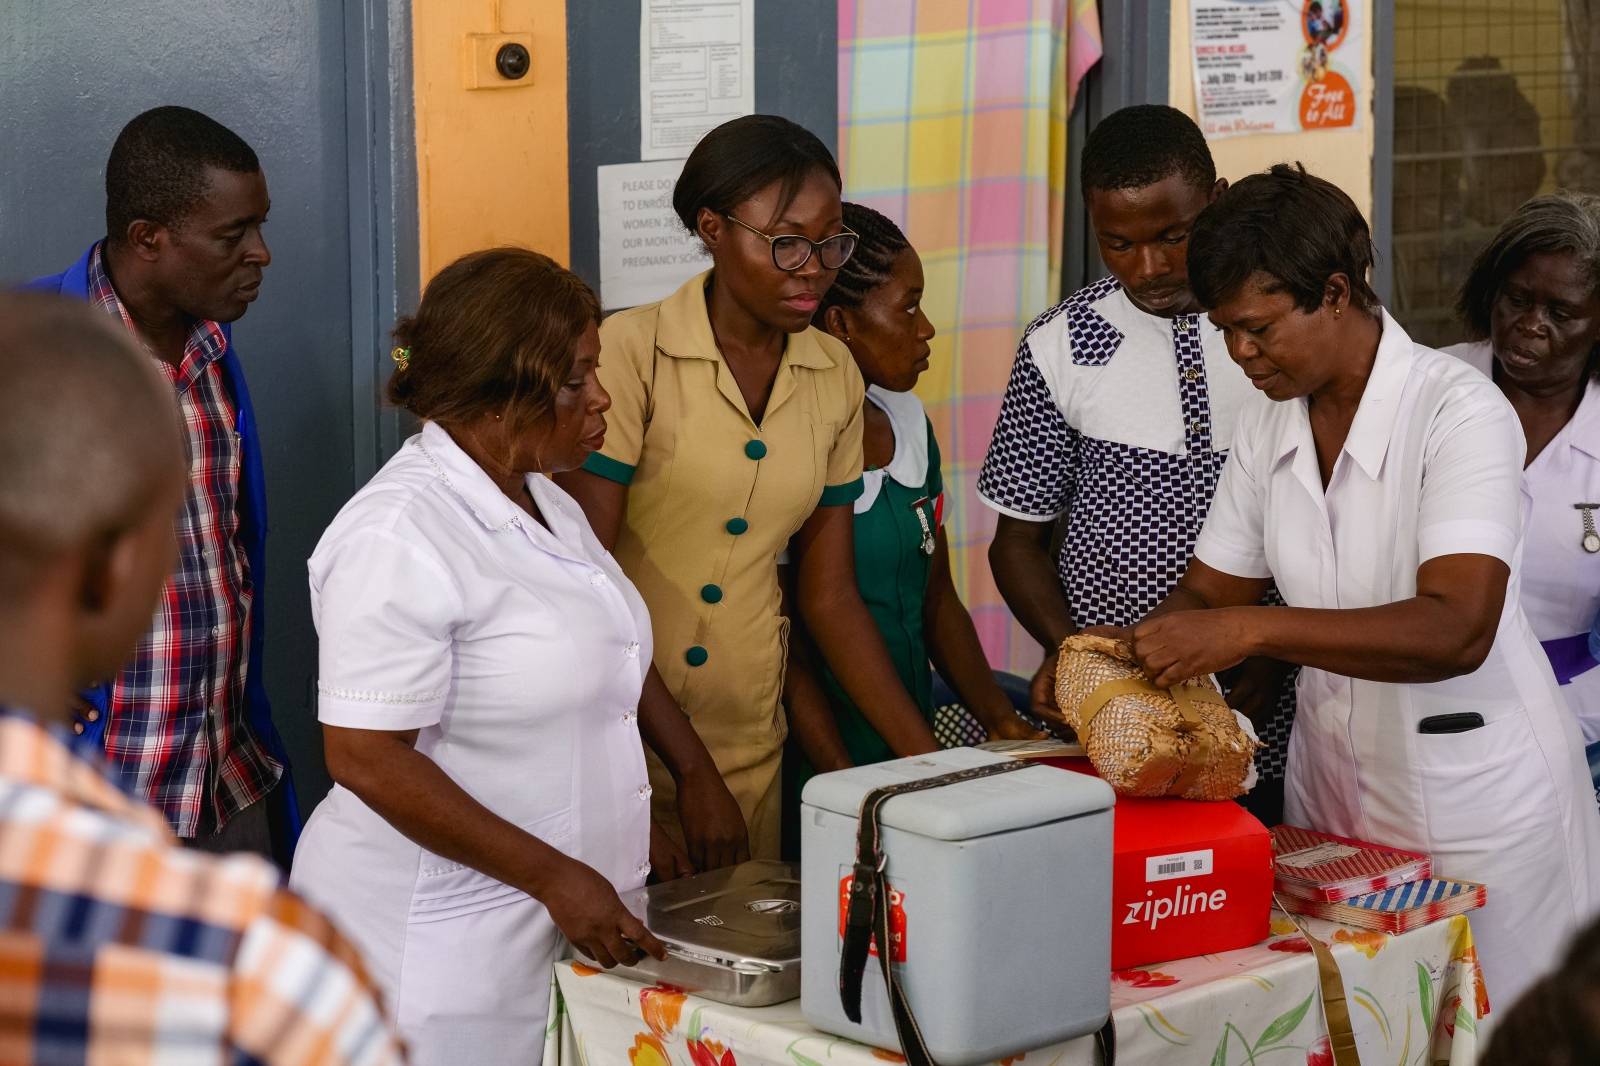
176,727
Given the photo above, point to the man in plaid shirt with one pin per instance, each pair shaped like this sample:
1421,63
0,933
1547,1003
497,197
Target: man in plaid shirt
116,945
185,720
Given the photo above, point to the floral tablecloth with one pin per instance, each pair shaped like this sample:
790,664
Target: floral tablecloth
1415,1000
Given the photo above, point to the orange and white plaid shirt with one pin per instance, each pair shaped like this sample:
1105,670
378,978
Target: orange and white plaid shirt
117,946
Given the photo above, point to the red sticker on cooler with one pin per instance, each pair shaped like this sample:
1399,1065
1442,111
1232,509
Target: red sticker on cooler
897,918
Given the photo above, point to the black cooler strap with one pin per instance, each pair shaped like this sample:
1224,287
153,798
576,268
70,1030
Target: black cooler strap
867,915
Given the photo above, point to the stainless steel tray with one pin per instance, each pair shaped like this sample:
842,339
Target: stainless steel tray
732,935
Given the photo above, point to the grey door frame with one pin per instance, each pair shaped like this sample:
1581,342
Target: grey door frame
1382,219
1134,70
381,166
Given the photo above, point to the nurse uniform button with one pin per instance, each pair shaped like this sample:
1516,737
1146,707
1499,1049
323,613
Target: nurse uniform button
711,593
696,656
755,449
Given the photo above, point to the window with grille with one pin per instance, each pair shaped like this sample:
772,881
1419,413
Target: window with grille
1494,101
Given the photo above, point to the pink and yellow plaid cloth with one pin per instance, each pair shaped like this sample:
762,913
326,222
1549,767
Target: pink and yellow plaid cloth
116,946
952,121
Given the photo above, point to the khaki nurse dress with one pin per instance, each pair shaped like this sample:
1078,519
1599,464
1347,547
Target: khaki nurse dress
713,498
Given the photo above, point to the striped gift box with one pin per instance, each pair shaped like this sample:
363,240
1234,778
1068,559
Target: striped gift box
1398,909
1320,866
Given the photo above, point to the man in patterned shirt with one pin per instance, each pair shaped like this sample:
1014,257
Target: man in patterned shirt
186,720
116,945
1117,420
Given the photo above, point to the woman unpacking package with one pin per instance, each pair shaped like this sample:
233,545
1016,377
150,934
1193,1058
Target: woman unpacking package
1378,483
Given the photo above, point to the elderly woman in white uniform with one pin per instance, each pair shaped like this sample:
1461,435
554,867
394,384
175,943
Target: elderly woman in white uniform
1377,482
1533,301
480,665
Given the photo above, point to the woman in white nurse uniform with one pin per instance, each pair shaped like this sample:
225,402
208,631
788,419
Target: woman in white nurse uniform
1377,482
1533,296
480,665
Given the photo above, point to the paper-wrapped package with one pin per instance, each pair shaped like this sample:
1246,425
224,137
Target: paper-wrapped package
1148,741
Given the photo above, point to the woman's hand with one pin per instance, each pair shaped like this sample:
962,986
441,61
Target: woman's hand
668,861
713,827
1010,727
592,916
1172,648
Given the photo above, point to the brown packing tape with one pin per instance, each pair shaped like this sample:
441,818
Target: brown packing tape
1186,697
1104,694
1335,1007
1199,754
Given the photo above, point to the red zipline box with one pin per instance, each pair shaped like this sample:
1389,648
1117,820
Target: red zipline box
1188,878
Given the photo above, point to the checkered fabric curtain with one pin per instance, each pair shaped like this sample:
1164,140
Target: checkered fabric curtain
953,123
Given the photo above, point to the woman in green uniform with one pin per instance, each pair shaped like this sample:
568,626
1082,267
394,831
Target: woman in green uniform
735,431
902,558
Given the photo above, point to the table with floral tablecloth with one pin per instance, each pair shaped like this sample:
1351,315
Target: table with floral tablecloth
1416,998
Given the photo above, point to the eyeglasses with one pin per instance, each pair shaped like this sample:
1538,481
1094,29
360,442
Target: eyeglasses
790,251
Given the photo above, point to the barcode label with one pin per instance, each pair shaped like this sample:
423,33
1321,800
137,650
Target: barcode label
1182,864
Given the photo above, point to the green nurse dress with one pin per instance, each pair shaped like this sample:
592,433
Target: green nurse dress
897,518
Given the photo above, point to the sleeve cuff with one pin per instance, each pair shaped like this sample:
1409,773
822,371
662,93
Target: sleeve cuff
1021,516
609,468
835,495
1246,564
1466,536
376,710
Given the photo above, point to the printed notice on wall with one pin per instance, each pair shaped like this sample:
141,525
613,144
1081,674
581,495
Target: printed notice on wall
1277,66
696,71
645,253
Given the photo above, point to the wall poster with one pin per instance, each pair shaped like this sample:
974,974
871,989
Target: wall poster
1278,66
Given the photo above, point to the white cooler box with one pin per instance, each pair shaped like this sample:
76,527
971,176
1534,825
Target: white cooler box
1000,905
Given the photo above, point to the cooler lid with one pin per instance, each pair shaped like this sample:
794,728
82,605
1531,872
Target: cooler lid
744,913
1032,796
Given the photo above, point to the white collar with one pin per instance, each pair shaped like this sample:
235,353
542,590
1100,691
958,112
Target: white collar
493,510
1373,427
909,467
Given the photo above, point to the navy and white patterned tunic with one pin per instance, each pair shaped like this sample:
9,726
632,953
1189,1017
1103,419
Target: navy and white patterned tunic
1120,420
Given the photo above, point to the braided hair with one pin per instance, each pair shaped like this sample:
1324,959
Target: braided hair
880,242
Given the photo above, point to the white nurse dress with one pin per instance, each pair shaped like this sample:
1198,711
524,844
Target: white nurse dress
1560,576
519,652
1432,466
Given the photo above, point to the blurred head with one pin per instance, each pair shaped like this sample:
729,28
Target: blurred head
754,179
505,344
1556,1022
1498,125
185,203
1147,175
1280,262
92,474
1534,291
875,304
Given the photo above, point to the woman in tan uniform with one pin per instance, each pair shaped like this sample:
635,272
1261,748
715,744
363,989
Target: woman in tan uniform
735,432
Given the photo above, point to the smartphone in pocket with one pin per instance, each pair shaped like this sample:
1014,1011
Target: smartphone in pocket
1461,722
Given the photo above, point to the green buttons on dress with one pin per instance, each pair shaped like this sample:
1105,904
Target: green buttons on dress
710,593
755,449
736,526
696,656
